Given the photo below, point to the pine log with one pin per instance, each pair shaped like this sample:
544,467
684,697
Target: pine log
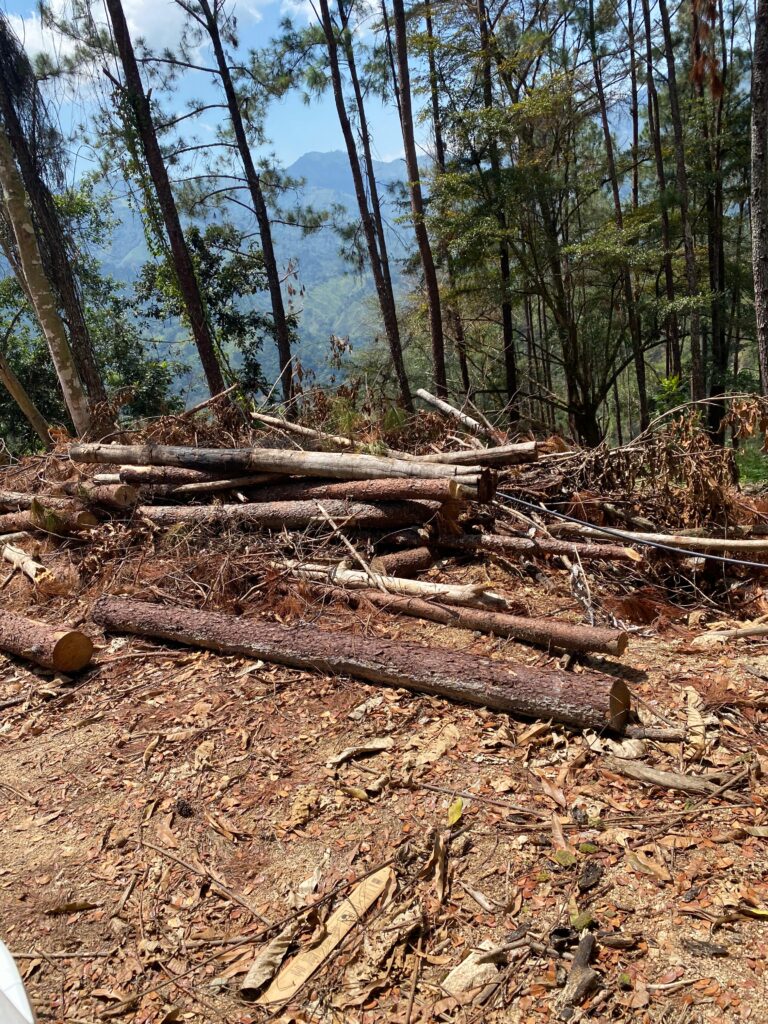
587,700
118,496
171,475
16,500
63,650
339,465
502,455
355,579
504,545
296,428
472,425
48,520
388,489
547,633
224,484
408,562
677,540
292,514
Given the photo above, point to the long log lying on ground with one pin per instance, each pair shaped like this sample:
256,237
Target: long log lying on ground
292,514
503,455
63,650
718,544
171,475
48,520
585,700
389,489
548,633
408,562
338,465
470,594
13,501
503,545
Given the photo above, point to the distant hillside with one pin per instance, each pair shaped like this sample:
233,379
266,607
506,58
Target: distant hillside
330,297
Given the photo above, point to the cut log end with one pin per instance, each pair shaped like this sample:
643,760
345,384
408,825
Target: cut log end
620,702
72,651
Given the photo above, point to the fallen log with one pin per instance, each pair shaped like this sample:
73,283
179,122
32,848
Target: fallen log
292,514
386,489
171,475
468,422
502,455
63,650
116,495
296,428
408,562
13,501
215,486
58,520
23,562
640,772
354,579
504,545
585,700
677,540
547,633
338,465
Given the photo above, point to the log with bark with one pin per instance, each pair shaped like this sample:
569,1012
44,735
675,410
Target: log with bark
60,521
408,562
138,476
469,594
468,422
292,514
502,455
63,650
117,495
388,489
504,545
338,465
587,700
547,633
13,501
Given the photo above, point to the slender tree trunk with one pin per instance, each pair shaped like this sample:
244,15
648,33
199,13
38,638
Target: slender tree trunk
452,309
185,271
629,298
674,364
759,185
282,329
691,270
16,390
39,288
507,332
385,294
417,202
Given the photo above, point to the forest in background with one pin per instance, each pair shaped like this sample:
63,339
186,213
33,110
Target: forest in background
584,213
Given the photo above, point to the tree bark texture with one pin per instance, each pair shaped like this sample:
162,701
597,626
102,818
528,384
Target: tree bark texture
47,520
534,546
39,288
117,496
27,407
265,515
547,633
409,562
393,489
63,650
502,455
587,700
338,465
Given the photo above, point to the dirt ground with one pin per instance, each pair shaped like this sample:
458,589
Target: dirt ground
169,812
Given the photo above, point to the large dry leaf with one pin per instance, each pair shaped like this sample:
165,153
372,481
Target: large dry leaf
433,747
474,972
697,730
342,920
267,962
372,746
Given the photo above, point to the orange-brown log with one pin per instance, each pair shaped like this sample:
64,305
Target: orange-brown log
388,489
408,562
588,700
533,546
63,650
549,633
293,514
48,520
117,496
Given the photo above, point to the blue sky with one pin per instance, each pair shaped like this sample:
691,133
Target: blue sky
293,127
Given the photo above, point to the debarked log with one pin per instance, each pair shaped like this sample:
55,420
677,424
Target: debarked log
585,700
504,545
63,650
338,465
292,514
549,633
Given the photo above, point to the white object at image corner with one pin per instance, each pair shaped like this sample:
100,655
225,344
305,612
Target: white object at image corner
14,1004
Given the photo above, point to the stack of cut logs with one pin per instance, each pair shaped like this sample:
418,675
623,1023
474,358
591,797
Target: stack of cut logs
407,509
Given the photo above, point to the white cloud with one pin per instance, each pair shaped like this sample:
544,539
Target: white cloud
35,37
